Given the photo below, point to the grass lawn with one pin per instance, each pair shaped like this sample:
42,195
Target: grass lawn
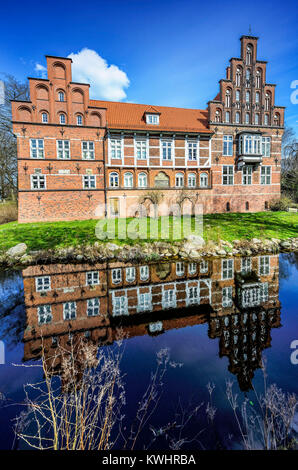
231,226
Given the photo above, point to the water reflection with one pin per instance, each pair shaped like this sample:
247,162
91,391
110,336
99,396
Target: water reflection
237,298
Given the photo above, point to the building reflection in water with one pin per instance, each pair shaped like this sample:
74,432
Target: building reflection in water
237,297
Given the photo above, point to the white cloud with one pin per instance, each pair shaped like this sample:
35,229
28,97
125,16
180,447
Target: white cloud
41,70
107,81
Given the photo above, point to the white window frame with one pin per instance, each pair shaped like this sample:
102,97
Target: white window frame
152,119
264,265
120,305
130,274
89,181
204,180
114,179
39,181
227,296
43,283
61,94
166,149
142,180
44,312
266,146
69,310
228,175
92,278
62,119
192,150
191,180
116,275
180,268
88,152
204,267
63,149
141,149
79,118
144,301
227,146
179,180
144,272
227,268
246,265
37,148
44,118
93,307
128,179
265,175
247,175
115,148
193,295
169,298
192,269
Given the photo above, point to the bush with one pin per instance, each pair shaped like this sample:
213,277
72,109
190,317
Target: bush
8,212
281,204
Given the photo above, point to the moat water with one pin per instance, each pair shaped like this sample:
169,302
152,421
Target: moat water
219,319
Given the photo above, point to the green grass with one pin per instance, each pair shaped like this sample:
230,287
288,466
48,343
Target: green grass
46,235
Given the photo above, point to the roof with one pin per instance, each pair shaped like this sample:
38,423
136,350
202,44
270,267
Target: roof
131,116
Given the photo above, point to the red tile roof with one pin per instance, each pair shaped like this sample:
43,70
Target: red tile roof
131,116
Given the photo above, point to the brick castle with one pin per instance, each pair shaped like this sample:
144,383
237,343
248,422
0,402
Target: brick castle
81,159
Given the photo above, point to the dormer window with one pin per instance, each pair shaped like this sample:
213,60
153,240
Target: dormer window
152,119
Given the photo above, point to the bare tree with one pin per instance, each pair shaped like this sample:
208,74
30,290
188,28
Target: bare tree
289,164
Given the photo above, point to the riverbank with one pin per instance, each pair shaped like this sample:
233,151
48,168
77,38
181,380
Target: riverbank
223,235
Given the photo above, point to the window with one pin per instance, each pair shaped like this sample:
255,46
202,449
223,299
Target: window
228,116
266,120
166,146
44,118
247,96
265,174
257,97
93,307
179,180
92,278
227,268
88,150
179,268
247,206
141,149
248,74
248,55
227,296
264,265
38,182
79,120
237,95
115,148
192,268
114,180
203,267
142,180
266,144
247,118
61,96
152,119
89,181
203,180
192,180
238,77
247,174
245,265
250,144
228,174
192,150
237,117
128,180
228,207
258,79
116,276
120,306
43,283
193,295
155,327
228,98
69,310
36,148
257,119
227,145
62,118
144,273
63,149
267,102
130,274
44,314
144,302
169,298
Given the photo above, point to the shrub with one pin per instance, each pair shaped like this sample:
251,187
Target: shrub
8,212
281,204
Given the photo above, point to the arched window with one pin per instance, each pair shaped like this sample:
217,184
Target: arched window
247,205
257,97
192,180
61,96
79,120
114,180
228,116
203,180
62,118
237,96
142,180
128,180
237,117
228,207
257,119
228,99
266,119
44,118
247,118
179,181
258,79
277,119
238,76
218,115
247,74
267,101
248,55
247,96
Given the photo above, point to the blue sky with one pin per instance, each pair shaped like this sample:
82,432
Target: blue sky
173,52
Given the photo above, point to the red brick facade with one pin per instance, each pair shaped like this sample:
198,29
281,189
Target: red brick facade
80,158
